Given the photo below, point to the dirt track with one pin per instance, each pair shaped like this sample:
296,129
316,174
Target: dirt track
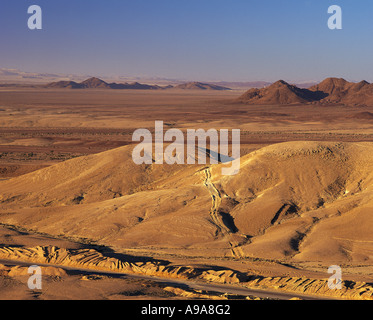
217,218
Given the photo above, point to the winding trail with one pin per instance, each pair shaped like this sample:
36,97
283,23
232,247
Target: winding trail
216,217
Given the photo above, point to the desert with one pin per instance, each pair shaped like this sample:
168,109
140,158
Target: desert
74,202
186,157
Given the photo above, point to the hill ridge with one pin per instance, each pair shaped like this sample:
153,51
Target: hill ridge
331,90
97,83
195,85
107,197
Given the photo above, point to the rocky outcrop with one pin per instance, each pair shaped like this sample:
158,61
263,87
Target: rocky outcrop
92,259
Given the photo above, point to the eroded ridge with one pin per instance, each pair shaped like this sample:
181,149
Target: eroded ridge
94,260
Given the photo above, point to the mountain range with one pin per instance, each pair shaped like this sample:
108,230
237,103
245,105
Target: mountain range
200,86
96,83
331,90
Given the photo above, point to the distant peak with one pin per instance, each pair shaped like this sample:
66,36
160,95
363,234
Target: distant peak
364,82
280,83
94,83
93,79
334,80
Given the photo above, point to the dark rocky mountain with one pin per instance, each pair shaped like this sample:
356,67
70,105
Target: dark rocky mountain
329,91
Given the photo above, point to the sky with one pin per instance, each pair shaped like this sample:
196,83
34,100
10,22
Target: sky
200,40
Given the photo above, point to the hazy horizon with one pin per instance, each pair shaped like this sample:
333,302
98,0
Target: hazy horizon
193,41
27,76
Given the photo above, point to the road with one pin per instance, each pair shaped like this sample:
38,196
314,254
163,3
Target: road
185,284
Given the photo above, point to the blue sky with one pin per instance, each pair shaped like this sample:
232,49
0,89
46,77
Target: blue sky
204,40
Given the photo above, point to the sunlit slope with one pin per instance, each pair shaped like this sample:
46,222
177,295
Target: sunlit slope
88,179
107,197
310,201
306,200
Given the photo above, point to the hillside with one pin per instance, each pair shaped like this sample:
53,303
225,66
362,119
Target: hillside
200,86
341,91
329,91
279,92
64,84
303,201
96,83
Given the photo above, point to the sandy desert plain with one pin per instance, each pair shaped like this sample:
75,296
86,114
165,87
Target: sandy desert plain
102,227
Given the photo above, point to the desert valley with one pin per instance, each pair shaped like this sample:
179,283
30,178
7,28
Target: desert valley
102,227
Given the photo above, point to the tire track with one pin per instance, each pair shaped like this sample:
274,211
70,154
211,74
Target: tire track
236,250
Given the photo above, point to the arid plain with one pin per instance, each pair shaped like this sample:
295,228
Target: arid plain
71,196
